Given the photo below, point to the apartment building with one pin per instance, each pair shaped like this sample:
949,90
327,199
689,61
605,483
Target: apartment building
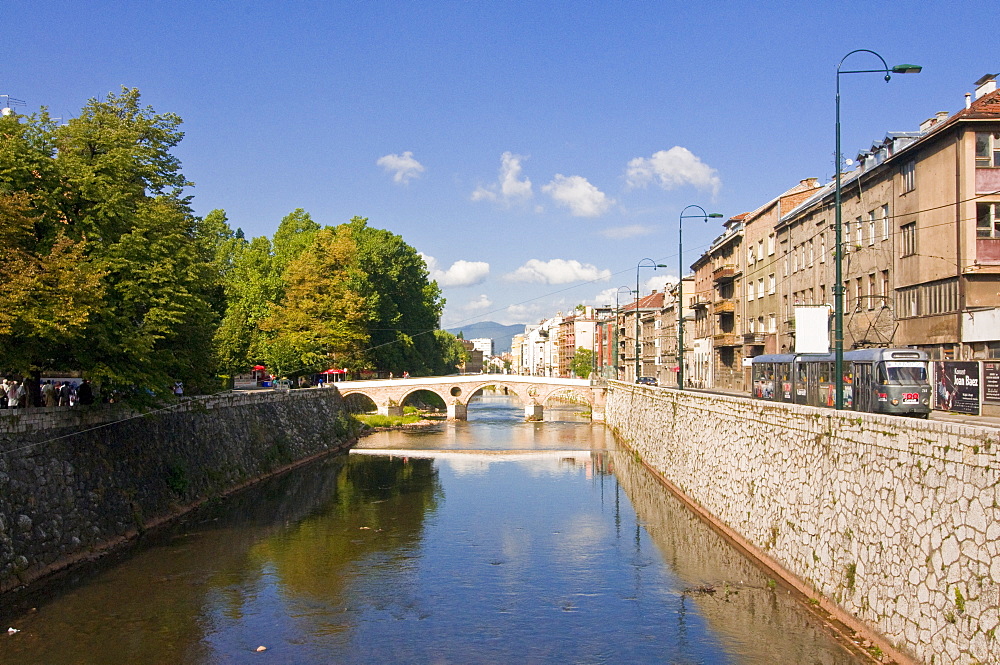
920,239
632,343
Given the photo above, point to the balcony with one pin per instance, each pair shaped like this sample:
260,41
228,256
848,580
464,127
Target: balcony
725,339
753,338
724,307
699,302
724,273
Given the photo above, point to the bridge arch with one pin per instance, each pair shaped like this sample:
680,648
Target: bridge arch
534,393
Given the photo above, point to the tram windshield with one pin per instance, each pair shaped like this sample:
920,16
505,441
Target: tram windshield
902,372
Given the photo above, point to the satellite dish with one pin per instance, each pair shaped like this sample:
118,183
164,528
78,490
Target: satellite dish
6,111
848,162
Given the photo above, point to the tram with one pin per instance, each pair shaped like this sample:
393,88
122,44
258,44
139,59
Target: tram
893,381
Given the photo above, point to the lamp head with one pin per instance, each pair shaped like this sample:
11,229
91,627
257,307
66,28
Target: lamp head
715,215
906,69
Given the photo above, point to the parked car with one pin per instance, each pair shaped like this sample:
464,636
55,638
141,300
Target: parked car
647,380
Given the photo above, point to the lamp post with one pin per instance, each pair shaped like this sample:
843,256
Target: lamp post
680,285
838,287
642,264
617,314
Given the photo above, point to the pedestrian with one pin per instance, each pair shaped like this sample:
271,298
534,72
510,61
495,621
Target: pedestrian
178,389
17,395
3,393
48,394
64,394
85,393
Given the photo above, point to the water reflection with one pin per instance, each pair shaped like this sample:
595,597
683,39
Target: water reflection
493,540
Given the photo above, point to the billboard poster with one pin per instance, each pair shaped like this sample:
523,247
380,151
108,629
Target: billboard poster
991,381
956,386
812,329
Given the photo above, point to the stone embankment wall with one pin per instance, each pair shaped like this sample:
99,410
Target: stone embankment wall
76,482
890,521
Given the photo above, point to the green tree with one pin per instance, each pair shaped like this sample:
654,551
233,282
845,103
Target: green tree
451,353
104,193
252,288
326,309
583,363
406,303
48,289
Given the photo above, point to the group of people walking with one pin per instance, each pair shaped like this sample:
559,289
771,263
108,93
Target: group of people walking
15,394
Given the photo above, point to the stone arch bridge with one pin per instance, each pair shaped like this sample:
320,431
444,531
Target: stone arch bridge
456,391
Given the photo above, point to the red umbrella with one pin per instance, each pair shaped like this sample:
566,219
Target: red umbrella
259,367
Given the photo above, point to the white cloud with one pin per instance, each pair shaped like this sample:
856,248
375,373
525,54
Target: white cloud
657,282
461,273
509,188
671,169
557,271
624,232
480,303
403,167
607,297
576,193
525,313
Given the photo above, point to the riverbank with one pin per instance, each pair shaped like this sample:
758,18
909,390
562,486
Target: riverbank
74,486
885,522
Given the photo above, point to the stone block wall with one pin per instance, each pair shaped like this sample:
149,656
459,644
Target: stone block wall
76,482
893,520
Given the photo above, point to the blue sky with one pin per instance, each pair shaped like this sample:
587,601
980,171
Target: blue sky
534,152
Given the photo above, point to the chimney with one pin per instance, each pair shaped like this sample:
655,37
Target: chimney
942,116
927,124
986,85
968,100
811,183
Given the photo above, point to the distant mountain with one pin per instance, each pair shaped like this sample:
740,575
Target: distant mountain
500,334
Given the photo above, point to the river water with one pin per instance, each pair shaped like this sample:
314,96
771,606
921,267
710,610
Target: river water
487,541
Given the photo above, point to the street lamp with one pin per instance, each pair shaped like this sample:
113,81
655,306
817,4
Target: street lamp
838,287
617,314
642,264
680,286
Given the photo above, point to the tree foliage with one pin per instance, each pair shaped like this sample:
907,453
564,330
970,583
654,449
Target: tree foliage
120,285
583,363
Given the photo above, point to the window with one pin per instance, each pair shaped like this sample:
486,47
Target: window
885,287
822,248
770,244
795,260
987,149
871,227
859,231
909,173
858,294
847,296
988,220
760,249
822,294
872,291
885,221
812,253
760,287
749,289
908,239
772,325
749,256
845,237
770,284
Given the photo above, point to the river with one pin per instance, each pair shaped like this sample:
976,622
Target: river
487,541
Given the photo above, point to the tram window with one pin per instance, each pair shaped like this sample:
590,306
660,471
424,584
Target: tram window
881,377
800,375
848,377
899,373
824,372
